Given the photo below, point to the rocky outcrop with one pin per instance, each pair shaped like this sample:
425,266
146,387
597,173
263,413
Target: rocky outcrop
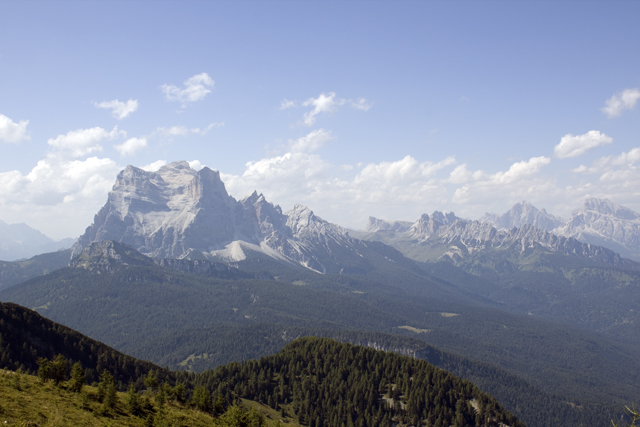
180,213
460,237
524,213
602,222
376,224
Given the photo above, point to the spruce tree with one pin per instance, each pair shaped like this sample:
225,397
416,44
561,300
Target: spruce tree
78,378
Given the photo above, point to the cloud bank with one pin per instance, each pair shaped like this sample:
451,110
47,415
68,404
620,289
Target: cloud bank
574,146
13,132
624,100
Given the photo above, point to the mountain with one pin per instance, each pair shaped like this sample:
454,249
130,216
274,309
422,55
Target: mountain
376,224
528,271
154,312
602,222
178,212
28,336
330,383
442,236
523,213
304,382
598,222
14,272
19,241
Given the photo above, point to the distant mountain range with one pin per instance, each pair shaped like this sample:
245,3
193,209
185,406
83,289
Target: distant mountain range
598,222
19,241
194,269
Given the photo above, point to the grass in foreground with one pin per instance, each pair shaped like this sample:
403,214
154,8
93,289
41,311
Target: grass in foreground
27,401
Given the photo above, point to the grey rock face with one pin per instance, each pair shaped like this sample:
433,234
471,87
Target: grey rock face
602,222
524,213
461,237
376,224
178,212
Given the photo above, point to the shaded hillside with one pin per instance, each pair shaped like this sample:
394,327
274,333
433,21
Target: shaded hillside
558,287
149,311
26,336
12,273
199,350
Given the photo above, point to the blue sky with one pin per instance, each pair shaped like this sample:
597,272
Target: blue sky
388,109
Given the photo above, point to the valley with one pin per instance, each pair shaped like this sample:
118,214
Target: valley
175,271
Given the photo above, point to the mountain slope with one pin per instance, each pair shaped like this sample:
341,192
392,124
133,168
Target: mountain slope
139,307
602,222
523,213
27,336
18,241
328,383
178,212
14,272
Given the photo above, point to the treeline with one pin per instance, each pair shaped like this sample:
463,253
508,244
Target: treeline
327,383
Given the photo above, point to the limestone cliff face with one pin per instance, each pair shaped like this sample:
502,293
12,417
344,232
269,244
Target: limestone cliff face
524,213
163,214
602,222
178,212
463,237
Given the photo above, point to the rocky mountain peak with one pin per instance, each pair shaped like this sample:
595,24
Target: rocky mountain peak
427,225
607,207
107,254
523,213
376,224
603,222
180,213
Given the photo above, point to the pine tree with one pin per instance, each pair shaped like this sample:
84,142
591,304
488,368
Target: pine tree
133,400
78,377
151,381
201,398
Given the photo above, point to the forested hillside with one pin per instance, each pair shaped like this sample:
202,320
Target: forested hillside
332,384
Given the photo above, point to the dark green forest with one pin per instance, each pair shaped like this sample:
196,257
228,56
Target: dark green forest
327,383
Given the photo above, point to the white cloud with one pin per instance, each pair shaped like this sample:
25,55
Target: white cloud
119,109
325,103
208,128
174,131
520,181
520,170
81,142
152,167
183,130
401,171
59,196
195,164
574,146
131,146
608,163
285,103
311,142
11,131
361,104
624,100
460,175
194,89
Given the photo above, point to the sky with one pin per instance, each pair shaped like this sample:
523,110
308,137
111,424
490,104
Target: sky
388,109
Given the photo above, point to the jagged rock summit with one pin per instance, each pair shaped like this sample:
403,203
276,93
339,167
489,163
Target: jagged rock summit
445,236
178,212
523,213
603,222
598,222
